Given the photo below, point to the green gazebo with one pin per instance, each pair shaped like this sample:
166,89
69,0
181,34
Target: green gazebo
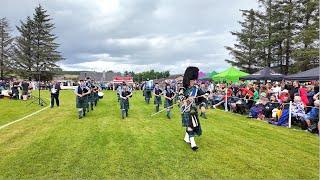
231,74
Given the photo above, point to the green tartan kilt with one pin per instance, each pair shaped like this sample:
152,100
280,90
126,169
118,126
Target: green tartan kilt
91,97
148,93
95,96
124,104
86,99
168,103
81,102
157,100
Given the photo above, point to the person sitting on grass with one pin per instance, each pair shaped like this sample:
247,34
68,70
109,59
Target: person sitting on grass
256,111
222,101
312,117
297,108
310,94
255,93
271,107
284,116
303,94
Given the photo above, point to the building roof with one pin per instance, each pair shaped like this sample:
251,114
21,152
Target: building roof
99,76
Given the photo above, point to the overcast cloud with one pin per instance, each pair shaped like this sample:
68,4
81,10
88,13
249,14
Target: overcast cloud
138,35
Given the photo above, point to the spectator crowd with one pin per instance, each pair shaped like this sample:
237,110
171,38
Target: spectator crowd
270,102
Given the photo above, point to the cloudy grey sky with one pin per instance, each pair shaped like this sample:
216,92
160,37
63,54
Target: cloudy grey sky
138,35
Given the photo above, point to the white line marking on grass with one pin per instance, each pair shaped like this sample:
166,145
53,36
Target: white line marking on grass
1,127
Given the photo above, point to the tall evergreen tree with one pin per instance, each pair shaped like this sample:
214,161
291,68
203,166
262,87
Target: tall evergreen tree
244,52
271,38
288,10
306,53
23,52
36,49
44,45
6,47
285,36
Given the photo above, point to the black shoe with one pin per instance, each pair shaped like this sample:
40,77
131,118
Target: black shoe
80,117
194,148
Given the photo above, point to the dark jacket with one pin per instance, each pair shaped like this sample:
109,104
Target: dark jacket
56,86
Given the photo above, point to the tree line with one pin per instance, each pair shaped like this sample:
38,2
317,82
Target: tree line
142,76
33,52
283,35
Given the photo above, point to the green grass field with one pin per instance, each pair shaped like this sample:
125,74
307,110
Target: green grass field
55,144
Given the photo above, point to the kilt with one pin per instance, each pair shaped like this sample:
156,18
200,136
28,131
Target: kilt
91,97
124,104
81,102
96,96
157,100
148,93
86,99
187,122
168,103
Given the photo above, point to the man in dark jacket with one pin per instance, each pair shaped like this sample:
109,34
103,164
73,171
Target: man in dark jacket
54,90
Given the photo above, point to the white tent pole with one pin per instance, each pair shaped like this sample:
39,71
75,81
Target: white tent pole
226,99
289,123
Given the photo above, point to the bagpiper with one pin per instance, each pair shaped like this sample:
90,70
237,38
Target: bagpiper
119,89
157,92
91,95
203,100
148,87
125,94
81,100
169,95
189,110
95,88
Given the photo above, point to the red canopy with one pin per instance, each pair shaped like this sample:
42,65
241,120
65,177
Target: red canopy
121,79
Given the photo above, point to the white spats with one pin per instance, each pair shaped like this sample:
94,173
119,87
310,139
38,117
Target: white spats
186,138
193,143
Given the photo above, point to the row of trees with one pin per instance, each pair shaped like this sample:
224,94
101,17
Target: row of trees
34,51
283,35
142,76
